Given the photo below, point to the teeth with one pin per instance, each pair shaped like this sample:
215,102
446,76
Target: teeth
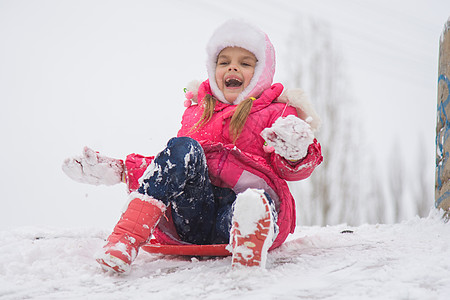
233,82
230,79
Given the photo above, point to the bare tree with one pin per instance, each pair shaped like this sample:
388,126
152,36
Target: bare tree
316,66
424,187
375,207
347,187
396,177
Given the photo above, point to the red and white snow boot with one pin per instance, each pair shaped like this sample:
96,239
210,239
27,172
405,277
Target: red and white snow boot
252,230
133,230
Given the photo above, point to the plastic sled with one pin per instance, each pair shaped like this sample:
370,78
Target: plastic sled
186,250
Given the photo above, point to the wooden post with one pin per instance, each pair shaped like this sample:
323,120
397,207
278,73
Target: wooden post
442,184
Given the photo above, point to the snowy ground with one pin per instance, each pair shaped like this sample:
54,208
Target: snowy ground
401,261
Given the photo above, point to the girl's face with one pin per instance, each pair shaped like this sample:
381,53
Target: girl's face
234,70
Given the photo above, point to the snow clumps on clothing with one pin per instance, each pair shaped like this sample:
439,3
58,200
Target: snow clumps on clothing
290,137
92,168
253,229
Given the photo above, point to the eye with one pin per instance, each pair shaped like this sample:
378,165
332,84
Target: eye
248,63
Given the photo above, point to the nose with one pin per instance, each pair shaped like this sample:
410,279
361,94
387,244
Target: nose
233,67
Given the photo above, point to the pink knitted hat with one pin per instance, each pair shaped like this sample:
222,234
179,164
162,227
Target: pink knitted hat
235,33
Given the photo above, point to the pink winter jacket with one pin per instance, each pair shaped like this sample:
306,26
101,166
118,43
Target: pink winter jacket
244,164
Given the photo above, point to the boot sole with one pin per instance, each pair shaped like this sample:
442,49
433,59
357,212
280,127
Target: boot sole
112,263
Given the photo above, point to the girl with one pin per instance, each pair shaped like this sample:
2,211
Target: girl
223,178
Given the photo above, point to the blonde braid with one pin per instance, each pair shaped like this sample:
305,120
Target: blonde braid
239,118
208,111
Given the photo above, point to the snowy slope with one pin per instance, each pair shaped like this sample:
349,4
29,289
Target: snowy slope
401,261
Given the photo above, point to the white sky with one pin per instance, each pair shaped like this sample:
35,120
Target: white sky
110,75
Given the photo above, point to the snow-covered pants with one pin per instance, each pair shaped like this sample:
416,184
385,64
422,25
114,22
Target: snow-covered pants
178,176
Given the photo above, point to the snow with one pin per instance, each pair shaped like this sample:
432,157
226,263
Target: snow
289,136
248,210
88,58
93,168
408,260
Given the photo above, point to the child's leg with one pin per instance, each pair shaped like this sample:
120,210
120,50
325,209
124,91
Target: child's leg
132,231
224,198
253,228
178,176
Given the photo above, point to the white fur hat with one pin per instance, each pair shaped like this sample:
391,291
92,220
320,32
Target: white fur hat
236,33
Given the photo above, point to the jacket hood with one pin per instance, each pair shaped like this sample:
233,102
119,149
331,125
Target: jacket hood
235,33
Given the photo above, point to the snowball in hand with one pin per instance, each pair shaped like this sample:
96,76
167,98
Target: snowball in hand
290,137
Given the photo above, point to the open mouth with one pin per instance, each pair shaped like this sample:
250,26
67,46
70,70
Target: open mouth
233,82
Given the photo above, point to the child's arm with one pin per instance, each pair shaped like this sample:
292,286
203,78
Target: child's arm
296,152
135,166
301,169
96,169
